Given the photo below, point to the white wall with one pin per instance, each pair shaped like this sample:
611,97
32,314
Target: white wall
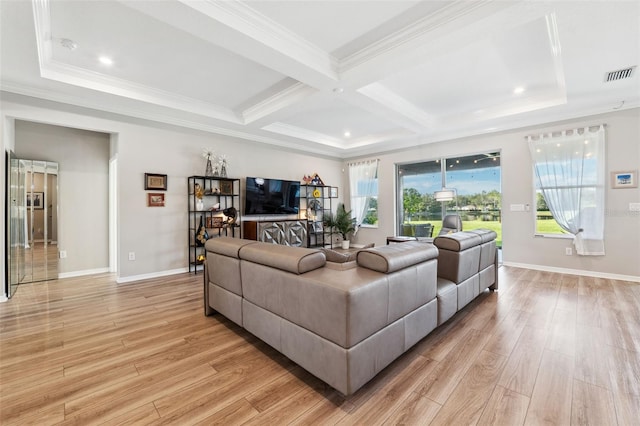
158,236
622,227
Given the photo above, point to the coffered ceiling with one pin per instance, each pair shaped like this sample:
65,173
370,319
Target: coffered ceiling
338,78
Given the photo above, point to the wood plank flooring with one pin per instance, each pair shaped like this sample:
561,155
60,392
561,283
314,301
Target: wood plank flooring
545,349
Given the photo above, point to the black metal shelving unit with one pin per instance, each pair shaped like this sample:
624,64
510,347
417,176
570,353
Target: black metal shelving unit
225,192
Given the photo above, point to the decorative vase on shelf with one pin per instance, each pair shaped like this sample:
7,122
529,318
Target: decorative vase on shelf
201,233
209,171
216,172
199,204
223,168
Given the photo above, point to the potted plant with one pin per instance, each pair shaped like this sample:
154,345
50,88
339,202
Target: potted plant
341,223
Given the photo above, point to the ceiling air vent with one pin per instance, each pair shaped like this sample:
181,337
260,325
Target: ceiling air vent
619,75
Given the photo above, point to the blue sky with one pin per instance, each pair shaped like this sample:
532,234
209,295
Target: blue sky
465,182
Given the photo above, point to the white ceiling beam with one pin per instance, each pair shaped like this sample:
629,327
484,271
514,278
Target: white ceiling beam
241,30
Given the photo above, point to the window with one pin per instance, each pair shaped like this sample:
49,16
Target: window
363,183
569,183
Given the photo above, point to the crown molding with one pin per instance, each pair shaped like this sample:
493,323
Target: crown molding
301,133
141,113
379,93
248,21
285,98
411,33
76,76
42,20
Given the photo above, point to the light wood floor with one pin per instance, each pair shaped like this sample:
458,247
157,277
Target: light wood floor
547,348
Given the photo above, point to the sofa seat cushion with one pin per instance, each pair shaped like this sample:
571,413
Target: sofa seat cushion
337,257
393,257
341,266
447,292
458,241
296,260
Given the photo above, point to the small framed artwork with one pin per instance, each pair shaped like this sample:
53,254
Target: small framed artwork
155,182
624,179
35,199
226,187
155,199
334,192
317,227
214,222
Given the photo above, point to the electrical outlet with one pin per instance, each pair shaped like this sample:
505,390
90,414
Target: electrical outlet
132,255
568,251
63,254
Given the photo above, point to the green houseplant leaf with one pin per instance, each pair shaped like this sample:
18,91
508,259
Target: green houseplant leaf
341,222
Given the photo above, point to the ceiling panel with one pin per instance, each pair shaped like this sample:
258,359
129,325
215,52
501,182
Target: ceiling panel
333,116
482,74
151,53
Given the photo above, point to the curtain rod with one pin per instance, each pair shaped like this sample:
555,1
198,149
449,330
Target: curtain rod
377,160
576,129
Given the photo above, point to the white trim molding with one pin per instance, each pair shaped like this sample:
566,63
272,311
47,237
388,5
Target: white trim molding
82,273
160,274
594,274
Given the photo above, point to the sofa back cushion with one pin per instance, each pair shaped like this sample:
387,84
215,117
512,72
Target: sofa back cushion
459,256
223,263
296,260
457,241
488,247
394,257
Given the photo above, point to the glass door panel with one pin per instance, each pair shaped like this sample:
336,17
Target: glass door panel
478,201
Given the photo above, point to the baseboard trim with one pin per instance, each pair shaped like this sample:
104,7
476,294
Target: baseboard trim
594,274
83,273
132,278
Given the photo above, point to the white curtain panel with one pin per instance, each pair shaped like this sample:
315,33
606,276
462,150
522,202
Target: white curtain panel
362,178
570,171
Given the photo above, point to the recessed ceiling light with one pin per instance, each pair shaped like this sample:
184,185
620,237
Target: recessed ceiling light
518,90
347,134
105,60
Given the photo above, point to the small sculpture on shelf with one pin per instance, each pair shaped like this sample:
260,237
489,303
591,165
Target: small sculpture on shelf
209,155
231,213
313,179
223,165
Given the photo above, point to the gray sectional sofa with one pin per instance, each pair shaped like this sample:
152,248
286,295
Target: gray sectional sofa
341,322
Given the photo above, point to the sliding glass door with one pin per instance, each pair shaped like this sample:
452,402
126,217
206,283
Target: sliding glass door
475,182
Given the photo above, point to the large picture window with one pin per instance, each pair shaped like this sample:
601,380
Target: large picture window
475,181
569,177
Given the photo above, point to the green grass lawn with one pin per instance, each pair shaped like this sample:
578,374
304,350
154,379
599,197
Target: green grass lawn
543,226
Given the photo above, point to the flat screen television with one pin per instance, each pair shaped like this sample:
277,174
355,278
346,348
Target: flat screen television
271,196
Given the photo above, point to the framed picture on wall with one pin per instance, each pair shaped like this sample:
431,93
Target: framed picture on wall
155,199
155,182
624,179
334,192
35,199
